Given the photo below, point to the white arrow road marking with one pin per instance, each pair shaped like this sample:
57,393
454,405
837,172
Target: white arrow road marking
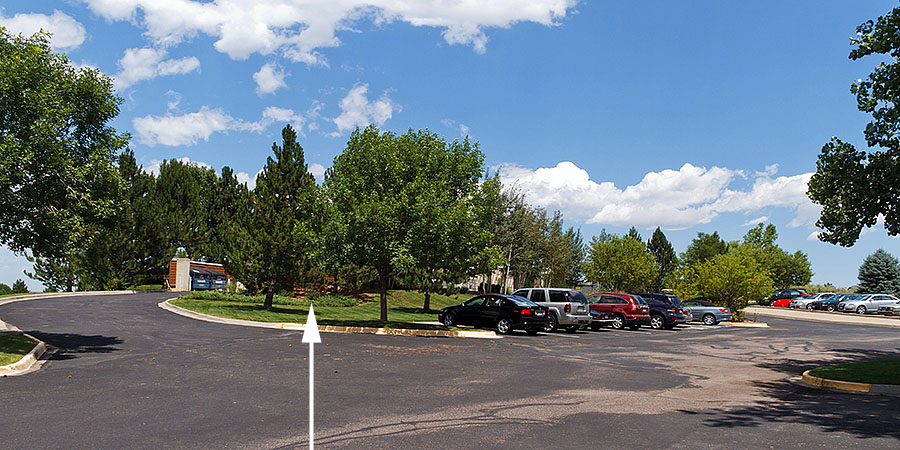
311,336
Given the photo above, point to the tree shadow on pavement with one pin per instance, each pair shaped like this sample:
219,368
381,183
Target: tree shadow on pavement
70,345
861,415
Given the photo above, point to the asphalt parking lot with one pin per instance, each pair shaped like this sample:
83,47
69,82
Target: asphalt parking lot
128,374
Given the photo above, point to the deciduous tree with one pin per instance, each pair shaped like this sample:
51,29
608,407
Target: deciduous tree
621,263
57,178
855,187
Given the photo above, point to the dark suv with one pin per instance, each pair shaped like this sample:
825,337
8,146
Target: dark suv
666,311
619,310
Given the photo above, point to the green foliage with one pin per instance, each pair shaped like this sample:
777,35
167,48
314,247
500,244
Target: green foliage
19,287
664,255
5,289
55,273
277,241
321,300
620,263
57,179
820,288
785,269
853,186
730,280
879,273
402,205
703,247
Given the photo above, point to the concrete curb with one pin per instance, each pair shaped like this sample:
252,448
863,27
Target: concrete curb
848,386
27,362
823,316
328,328
747,324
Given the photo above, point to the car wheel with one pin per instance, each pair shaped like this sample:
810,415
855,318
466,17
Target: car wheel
552,325
503,326
709,319
595,326
531,331
449,319
618,323
572,328
860,309
830,308
657,322
634,327
809,307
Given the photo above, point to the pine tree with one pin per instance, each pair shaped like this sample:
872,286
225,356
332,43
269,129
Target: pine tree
879,273
286,221
666,261
19,287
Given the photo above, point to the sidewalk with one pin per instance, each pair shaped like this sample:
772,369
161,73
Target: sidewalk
822,316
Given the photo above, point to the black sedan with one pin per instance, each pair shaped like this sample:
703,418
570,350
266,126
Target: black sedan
503,312
830,303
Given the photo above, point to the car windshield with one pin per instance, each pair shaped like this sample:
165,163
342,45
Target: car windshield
577,296
523,302
674,300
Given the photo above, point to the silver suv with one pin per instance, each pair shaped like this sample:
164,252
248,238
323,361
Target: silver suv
568,307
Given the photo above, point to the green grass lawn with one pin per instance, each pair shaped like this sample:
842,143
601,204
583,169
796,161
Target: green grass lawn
16,295
146,287
404,307
13,347
873,372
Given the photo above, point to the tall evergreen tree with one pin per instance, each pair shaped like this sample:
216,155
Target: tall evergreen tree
879,273
286,219
664,254
634,234
19,287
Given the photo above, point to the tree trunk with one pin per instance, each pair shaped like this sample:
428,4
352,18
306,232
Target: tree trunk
427,298
383,293
270,294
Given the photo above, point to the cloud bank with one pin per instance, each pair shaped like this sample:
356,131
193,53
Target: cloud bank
297,29
671,199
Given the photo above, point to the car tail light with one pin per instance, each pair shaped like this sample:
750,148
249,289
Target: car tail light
568,308
724,310
526,312
672,310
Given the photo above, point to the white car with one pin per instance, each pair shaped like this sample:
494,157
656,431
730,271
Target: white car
804,302
867,304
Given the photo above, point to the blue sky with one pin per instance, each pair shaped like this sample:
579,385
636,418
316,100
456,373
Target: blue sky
693,116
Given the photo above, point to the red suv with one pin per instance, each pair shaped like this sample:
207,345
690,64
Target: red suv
619,310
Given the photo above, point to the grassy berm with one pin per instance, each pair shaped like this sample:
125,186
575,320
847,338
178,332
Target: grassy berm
404,309
885,371
13,347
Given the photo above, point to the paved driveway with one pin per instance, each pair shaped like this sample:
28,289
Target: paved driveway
130,375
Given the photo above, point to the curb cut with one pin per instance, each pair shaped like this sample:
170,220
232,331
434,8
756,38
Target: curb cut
327,328
28,361
849,386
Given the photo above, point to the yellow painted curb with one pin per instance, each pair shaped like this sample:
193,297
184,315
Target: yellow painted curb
834,384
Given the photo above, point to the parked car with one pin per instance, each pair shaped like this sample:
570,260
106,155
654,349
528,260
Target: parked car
707,312
867,304
890,310
503,312
830,304
783,294
804,302
666,311
568,307
620,310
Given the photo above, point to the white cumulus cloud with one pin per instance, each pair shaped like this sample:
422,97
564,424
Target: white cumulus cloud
67,32
174,129
756,221
671,199
358,111
185,129
269,79
139,64
297,29
155,164
318,171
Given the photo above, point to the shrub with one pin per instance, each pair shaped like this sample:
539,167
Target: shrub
326,300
